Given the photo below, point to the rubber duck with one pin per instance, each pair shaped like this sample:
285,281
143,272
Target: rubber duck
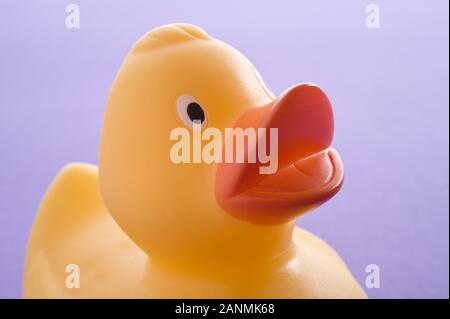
141,226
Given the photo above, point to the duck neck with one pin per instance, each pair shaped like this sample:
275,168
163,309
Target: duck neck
258,243
245,245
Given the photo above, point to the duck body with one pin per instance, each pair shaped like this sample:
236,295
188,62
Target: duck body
139,226
73,226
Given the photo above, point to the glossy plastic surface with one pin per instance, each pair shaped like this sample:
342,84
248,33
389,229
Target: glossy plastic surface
141,226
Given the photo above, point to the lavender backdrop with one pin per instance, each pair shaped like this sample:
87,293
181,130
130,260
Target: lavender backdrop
389,87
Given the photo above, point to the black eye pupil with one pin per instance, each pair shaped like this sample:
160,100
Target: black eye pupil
195,112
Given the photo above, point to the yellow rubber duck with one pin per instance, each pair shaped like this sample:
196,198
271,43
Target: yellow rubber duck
140,226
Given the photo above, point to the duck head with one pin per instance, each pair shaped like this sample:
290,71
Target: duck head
177,74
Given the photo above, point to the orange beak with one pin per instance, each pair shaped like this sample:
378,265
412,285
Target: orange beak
309,171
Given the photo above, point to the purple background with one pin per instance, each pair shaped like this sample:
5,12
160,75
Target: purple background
389,88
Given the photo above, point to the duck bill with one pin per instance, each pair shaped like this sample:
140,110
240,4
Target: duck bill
290,168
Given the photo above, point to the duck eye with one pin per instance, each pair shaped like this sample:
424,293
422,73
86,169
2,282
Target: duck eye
189,110
195,112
